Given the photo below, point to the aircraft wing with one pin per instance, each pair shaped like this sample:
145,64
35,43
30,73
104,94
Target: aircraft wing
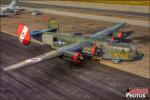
46,56
34,60
108,31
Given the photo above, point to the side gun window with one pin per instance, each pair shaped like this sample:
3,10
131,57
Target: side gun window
55,39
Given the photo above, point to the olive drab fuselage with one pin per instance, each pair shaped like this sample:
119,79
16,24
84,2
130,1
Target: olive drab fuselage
110,50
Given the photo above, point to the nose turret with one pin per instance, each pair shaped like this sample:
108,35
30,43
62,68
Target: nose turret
138,56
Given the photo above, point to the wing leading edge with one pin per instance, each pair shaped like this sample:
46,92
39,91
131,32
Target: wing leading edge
108,31
34,60
46,56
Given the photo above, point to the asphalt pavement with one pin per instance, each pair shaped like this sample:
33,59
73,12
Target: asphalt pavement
71,8
135,18
80,9
58,79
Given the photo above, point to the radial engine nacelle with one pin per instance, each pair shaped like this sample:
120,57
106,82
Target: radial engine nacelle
75,57
92,51
118,36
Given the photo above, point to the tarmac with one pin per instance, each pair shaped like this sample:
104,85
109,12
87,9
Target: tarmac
93,17
138,18
57,79
75,4
60,5
87,27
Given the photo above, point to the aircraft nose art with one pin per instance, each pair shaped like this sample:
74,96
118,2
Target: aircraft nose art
24,34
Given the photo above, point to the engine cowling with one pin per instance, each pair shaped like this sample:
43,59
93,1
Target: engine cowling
118,36
92,51
75,57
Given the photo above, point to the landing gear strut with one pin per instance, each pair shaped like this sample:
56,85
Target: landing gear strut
96,59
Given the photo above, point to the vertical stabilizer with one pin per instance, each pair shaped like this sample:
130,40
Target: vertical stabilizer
24,34
12,5
53,25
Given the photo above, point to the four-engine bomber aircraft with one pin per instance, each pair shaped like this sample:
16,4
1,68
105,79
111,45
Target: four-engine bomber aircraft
9,10
76,48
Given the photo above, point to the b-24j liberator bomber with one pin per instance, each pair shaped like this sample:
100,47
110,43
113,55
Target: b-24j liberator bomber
76,48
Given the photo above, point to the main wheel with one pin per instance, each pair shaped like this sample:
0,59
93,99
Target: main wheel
96,59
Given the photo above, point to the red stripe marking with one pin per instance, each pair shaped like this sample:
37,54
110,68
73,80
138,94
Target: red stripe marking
75,57
27,38
20,28
120,35
94,50
113,39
